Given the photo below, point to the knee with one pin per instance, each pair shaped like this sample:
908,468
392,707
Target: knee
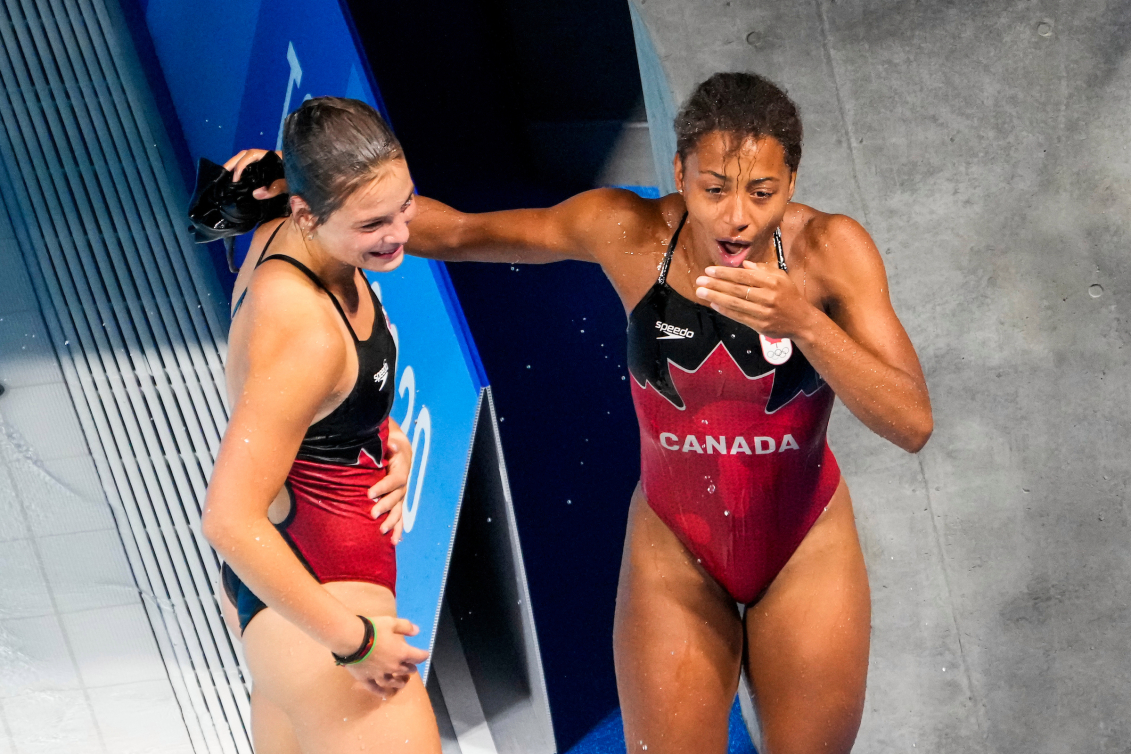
827,726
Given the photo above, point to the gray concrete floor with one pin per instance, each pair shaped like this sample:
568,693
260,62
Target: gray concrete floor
984,146
79,668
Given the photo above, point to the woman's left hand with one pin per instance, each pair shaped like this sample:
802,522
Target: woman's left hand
240,160
759,296
388,494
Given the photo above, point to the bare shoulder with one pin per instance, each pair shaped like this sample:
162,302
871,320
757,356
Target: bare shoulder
837,248
286,320
612,215
633,233
259,238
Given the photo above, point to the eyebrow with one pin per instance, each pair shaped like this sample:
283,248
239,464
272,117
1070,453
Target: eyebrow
752,182
386,218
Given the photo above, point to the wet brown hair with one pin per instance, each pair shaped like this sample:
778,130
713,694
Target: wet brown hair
333,146
743,104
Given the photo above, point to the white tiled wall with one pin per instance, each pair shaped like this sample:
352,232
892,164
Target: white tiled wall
79,668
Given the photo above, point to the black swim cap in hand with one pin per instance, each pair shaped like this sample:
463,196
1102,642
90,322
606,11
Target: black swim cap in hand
223,209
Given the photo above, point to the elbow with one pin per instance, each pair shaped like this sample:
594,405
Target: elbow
918,434
217,529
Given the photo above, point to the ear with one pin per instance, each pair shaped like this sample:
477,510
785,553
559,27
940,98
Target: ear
677,168
302,216
792,184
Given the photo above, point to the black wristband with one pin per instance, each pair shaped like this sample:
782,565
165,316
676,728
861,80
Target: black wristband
362,651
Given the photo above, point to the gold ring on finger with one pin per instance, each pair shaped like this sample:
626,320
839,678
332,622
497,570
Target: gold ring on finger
747,296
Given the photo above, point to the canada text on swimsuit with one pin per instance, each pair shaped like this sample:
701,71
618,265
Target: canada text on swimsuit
755,446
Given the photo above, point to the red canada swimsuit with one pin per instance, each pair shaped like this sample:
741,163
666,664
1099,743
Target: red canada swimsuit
732,435
329,526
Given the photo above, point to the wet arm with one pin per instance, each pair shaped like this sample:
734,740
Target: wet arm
292,370
860,347
580,228
584,227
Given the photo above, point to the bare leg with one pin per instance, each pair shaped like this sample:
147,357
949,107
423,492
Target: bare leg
329,712
271,731
677,643
808,641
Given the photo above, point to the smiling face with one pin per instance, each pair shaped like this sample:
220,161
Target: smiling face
370,228
736,195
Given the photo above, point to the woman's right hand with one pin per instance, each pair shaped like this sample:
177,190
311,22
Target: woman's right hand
392,660
242,159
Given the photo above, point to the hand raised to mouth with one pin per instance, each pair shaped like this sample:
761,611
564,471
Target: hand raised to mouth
759,296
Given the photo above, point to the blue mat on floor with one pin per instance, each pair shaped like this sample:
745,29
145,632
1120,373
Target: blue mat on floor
608,736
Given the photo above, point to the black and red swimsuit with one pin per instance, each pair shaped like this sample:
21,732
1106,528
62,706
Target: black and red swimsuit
732,436
329,526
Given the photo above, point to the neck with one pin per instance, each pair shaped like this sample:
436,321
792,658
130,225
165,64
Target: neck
333,273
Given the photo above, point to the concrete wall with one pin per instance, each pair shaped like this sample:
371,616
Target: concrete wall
984,146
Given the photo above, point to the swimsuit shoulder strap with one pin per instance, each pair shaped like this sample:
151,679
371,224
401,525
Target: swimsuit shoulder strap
671,250
317,281
779,250
263,254
675,239
269,240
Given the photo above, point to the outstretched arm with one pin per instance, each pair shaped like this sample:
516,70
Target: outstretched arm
859,347
587,227
579,228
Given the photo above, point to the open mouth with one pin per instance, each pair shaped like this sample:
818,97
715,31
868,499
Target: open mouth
386,254
733,251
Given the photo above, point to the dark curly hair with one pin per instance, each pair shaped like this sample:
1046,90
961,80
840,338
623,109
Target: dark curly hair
743,104
333,146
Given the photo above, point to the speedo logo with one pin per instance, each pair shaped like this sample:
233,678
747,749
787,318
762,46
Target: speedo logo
382,375
756,446
671,332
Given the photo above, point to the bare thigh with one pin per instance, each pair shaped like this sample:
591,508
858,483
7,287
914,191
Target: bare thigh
807,641
271,730
677,643
330,713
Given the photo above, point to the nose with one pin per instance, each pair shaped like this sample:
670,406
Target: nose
736,213
398,233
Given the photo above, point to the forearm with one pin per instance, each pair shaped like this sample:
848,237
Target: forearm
441,232
889,401
265,562
529,236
